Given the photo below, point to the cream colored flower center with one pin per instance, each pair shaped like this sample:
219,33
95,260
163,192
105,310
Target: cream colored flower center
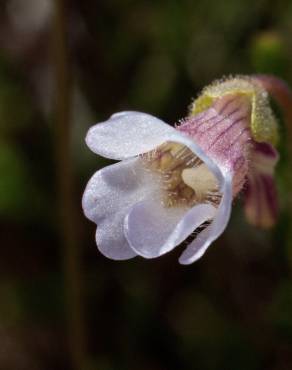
185,179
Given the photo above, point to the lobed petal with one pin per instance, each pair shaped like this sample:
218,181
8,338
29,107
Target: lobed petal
198,247
107,198
127,134
152,229
110,238
261,206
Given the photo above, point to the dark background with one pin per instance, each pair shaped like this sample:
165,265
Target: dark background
62,304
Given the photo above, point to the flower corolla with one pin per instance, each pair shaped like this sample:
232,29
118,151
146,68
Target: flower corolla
175,182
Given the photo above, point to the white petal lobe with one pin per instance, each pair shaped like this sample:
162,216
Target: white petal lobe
127,134
199,246
110,238
153,230
108,197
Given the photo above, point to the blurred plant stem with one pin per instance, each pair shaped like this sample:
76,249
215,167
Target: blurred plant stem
67,212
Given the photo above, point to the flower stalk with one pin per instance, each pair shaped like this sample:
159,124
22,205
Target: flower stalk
69,237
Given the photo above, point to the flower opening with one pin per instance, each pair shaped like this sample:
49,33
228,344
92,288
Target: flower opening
184,178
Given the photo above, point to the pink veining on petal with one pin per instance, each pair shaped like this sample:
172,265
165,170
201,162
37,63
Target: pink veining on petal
222,131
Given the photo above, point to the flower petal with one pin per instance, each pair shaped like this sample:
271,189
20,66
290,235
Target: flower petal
110,238
117,186
127,134
108,197
152,229
261,206
199,246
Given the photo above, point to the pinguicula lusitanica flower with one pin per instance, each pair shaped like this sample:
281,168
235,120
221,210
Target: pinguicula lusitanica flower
173,182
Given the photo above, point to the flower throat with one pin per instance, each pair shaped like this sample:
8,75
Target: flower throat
185,178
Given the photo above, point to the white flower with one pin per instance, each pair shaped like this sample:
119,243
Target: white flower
171,183
125,200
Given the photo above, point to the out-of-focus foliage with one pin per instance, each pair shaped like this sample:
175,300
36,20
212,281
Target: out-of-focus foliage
230,310
15,105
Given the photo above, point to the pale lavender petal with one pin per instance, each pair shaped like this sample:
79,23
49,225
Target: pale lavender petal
261,206
117,186
127,134
108,197
110,238
152,229
203,240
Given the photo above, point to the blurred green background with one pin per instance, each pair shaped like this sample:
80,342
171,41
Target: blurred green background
62,304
